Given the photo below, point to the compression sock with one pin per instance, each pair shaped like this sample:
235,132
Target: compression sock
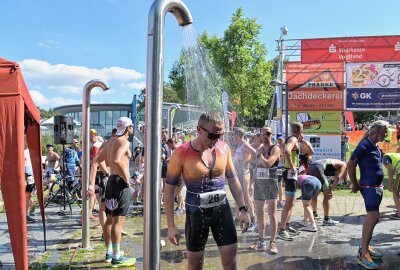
116,250
109,248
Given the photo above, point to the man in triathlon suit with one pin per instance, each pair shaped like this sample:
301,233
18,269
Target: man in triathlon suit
241,160
322,169
118,195
290,177
368,157
204,164
392,164
266,190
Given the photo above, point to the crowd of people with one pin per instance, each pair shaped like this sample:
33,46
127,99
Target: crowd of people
263,173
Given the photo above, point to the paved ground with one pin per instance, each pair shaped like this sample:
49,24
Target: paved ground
330,248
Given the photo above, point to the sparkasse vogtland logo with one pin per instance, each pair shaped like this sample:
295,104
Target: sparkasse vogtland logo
357,95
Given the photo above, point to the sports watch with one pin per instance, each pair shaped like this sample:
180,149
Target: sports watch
243,208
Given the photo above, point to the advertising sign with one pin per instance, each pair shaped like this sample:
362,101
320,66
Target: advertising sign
318,122
373,86
325,146
351,49
315,87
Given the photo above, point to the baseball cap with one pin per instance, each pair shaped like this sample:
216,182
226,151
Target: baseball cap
122,124
93,131
279,136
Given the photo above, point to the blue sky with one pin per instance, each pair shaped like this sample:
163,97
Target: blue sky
61,44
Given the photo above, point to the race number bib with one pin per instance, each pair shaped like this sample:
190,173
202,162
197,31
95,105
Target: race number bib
279,172
292,174
262,173
212,198
30,180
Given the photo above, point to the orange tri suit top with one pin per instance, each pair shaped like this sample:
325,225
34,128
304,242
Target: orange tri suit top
199,179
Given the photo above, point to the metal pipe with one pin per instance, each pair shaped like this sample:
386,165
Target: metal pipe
85,157
287,111
170,108
154,93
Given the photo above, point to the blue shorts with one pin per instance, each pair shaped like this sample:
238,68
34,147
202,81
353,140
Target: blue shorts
309,188
372,197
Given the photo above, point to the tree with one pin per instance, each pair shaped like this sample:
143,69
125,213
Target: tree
46,114
169,95
239,57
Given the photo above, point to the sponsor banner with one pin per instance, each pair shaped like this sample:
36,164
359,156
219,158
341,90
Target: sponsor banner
318,122
351,49
373,75
374,98
315,87
325,146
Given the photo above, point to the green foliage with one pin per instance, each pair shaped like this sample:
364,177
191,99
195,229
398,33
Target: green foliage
239,57
48,139
46,114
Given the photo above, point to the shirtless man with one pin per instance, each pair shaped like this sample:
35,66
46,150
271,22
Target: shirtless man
204,164
117,198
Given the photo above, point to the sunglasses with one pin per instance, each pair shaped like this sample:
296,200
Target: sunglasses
212,136
267,133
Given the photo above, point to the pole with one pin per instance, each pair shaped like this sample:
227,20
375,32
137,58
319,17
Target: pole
287,111
85,157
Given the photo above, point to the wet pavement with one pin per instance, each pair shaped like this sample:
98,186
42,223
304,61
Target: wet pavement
330,248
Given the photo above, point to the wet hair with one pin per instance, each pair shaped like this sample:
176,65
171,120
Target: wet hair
296,127
171,141
211,117
239,132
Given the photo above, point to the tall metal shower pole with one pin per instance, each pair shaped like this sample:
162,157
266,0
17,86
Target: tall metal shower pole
154,93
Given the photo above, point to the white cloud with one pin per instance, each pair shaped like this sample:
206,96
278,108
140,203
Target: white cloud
49,44
69,79
137,85
42,101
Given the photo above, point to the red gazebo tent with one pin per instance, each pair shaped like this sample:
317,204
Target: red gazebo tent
18,114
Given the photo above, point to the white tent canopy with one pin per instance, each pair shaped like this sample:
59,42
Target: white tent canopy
50,122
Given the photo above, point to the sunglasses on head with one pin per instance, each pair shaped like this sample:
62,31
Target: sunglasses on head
212,136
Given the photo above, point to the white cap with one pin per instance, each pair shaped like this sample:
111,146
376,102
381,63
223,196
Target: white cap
122,124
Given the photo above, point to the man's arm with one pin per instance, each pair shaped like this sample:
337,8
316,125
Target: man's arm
93,170
275,154
351,170
249,150
340,167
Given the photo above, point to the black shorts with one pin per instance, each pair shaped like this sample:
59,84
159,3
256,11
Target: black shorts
218,218
117,197
164,171
30,188
398,136
98,183
290,184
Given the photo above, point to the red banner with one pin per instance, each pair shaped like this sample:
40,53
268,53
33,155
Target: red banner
351,49
315,87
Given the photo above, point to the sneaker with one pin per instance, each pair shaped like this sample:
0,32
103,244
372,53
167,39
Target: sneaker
304,223
252,227
109,256
329,222
178,211
394,216
122,262
310,228
280,205
317,217
123,232
292,230
272,249
284,235
259,245
298,198
367,262
30,219
374,254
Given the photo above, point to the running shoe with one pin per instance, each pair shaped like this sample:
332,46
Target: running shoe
122,262
284,235
123,233
304,223
109,256
178,211
30,219
317,217
292,230
272,249
259,245
367,262
329,222
280,205
394,216
375,255
252,227
310,228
